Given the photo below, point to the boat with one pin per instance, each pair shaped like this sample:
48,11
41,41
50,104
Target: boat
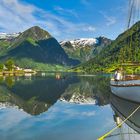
127,88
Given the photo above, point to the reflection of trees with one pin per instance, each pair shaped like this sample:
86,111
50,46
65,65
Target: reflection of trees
101,89
1,79
31,106
96,87
10,81
36,96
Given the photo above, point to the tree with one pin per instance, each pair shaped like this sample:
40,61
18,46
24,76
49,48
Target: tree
9,64
1,66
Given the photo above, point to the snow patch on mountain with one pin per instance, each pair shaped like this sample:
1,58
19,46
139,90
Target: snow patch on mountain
8,36
85,42
82,42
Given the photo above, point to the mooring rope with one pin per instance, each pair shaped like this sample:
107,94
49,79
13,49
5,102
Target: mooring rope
108,133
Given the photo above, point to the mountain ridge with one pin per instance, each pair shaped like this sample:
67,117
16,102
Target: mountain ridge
37,45
84,49
124,49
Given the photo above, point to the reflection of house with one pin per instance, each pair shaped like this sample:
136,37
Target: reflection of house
28,70
58,76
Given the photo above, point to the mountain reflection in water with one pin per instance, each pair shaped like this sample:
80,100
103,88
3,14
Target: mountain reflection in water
37,94
34,95
70,108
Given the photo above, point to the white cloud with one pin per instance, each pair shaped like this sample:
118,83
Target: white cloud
74,113
17,16
15,118
110,20
90,28
63,11
69,111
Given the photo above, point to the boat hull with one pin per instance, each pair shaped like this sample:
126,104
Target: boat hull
129,90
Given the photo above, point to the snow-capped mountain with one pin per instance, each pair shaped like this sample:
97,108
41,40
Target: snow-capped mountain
85,48
8,36
79,43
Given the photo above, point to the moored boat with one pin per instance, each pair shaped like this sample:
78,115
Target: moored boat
127,89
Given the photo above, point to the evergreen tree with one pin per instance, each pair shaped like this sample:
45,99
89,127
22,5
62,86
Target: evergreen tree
9,64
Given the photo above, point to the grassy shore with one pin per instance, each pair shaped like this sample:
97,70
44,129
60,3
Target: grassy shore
128,68
15,73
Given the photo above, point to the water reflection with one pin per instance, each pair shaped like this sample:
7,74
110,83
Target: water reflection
90,90
35,95
122,109
67,108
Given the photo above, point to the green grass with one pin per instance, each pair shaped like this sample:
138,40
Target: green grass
29,63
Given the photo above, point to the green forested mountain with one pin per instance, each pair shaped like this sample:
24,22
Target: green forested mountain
35,48
125,49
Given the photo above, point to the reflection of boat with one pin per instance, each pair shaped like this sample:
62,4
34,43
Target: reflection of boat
123,108
126,116
128,89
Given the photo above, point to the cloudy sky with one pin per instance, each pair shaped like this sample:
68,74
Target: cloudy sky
66,19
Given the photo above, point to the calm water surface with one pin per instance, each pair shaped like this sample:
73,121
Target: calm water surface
75,107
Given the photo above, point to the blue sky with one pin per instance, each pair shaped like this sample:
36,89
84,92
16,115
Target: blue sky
65,19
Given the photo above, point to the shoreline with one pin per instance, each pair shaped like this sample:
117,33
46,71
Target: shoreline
15,73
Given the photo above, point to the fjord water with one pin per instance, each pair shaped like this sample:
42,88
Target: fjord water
71,108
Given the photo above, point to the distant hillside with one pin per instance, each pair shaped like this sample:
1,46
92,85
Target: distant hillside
85,48
33,47
126,48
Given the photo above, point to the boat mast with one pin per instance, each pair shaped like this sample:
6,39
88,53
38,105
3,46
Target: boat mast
133,12
130,12
133,17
